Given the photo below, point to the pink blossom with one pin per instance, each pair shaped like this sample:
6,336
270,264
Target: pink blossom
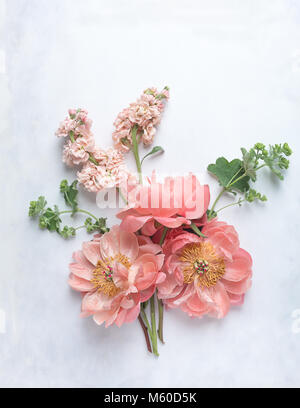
145,113
75,153
110,157
110,172
205,275
149,133
76,124
115,273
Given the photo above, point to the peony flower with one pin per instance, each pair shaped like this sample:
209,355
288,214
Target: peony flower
171,204
110,172
205,275
145,113
115,273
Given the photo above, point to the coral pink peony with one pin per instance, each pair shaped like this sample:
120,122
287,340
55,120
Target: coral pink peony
205,275
172,204
115,273
145,113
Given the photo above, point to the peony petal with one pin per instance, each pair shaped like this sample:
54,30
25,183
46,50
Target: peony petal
147,293
236,300
120,275
79,257
169,288
149,228
132,223
81,285
110,243
240,267
145,270
82,271
216,298
160,278
100,317
133,313
196,305
172,222
146,276
120,319
237,288
91,251
129,245
160,261
188,291
147,246
96,301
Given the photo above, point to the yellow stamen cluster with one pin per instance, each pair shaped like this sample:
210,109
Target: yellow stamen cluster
212,265
103,274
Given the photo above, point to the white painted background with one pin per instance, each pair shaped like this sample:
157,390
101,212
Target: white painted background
234,72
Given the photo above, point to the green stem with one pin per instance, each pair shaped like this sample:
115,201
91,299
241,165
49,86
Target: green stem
236,180
215,202
258,168
121,195
78,210
87,213
145,318
92,159
159,301
227,187
229,205
160,319
81,226
135,150
235,175
71,135
162,239
229,184
146,334
153,326
152,329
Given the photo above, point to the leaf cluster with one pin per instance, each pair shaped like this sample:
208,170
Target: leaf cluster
50,218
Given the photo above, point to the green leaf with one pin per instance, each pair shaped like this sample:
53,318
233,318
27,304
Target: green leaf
196,230
70,193
99,225
227,172
249,162
68,232
156,149
253,195
50,219
37,207
275,158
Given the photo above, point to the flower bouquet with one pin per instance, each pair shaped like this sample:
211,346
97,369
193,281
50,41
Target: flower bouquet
170,250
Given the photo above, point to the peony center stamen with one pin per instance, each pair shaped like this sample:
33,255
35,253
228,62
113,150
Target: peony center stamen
200,262
201,266
108,273
103,274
